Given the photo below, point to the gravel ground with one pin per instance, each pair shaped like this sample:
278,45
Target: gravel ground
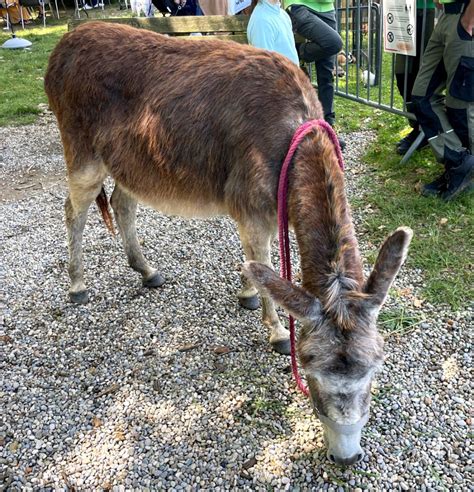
177,388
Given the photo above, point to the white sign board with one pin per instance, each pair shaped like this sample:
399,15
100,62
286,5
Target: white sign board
399,26
235,6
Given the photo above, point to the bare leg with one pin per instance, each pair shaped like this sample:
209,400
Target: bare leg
256,242
125,209
84,186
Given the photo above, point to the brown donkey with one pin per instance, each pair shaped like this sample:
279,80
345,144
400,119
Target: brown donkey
201,128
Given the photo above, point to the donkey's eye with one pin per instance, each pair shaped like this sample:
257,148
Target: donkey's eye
307,358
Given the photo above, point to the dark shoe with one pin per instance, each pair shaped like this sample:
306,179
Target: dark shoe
437,187
332,121
342,143
405,143
459,177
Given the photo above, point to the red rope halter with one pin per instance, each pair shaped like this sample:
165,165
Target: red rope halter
285,260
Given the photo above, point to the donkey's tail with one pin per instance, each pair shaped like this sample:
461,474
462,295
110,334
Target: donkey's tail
103,204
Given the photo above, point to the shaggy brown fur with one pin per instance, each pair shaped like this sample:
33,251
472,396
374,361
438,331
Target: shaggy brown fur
204,121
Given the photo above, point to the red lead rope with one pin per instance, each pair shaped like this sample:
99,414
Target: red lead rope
285,260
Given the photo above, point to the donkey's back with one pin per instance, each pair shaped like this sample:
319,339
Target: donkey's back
180,124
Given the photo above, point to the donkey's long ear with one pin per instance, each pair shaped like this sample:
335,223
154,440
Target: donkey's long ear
291,298
391,256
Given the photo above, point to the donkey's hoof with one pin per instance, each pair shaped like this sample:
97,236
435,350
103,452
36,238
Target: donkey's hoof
281,346
156,280
80,297
251,303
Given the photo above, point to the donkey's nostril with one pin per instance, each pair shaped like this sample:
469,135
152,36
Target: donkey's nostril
346,461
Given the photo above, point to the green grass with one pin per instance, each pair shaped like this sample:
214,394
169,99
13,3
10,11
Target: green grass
441,246
398,322
442,243
22,73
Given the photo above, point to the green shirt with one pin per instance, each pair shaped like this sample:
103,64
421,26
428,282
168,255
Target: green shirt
316,5
421,3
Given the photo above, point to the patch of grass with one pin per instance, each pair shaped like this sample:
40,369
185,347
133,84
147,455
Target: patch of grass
261,405
442,243
437,478
380,392
398,322
22,73
364,473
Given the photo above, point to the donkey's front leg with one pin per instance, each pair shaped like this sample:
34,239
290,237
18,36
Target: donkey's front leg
125,210
256,242
84,186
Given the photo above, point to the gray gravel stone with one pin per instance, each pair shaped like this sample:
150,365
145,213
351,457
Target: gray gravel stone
102,396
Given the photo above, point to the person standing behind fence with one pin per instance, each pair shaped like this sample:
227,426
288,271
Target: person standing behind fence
448,62
270,28
407,67
315,20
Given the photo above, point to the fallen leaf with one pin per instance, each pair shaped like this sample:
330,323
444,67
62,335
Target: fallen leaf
405,291
219,366
25,187
188,346
119,435
96,422
6,339
250,463
113,388
14,445
418,302
221,350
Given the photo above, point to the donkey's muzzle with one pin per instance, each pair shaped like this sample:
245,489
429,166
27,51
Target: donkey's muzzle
343,441
345,461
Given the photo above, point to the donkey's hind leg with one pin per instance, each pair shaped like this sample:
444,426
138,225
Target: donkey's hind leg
125,210
256,242
84,187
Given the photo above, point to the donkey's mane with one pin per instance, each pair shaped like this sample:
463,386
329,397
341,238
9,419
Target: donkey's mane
331,264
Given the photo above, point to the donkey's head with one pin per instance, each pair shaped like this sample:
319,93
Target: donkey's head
339,346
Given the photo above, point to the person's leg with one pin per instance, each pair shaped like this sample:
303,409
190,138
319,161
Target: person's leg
459,62
323,40
440,64
406,70
322,45
324,70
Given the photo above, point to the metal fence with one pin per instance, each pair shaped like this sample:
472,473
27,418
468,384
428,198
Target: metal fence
366,73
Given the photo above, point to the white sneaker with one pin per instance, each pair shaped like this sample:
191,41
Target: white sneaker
87,7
